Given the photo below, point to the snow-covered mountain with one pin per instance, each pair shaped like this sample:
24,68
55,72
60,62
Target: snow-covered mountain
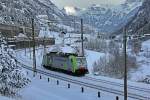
109,18
20,11
70,10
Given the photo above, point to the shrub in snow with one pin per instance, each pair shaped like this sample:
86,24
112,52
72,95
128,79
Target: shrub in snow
136,46
146,53
113,65
147,79
96,44
12,78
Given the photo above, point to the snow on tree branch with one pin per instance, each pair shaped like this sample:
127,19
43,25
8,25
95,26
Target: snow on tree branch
12,78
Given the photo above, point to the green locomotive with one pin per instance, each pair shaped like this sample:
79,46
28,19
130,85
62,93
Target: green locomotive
69,63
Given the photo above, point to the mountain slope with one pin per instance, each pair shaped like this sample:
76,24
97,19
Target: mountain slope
20,11
140,22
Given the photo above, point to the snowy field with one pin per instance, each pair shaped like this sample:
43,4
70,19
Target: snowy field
51,90
42,89
91,58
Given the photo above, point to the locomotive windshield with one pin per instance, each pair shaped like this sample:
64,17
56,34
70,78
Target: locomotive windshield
81,61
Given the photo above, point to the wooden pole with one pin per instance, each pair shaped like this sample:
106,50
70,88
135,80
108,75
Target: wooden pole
44,45
82,37
99,95
34,56
30,47
117,98
125,66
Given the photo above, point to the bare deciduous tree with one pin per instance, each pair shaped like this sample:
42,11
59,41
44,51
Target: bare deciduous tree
113,65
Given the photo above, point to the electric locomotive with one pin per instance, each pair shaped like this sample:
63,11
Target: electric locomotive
69,63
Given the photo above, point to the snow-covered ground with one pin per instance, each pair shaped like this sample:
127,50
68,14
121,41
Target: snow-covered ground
135,75
5,98
91,58
143,60
41,89
60,92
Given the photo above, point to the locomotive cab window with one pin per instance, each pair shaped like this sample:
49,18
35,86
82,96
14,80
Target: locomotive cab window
81,61
71,60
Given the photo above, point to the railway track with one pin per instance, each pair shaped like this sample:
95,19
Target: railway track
118,84
89,85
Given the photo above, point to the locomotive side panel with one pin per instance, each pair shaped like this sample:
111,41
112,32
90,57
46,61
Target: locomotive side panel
62,63
47,60
73,64
44,61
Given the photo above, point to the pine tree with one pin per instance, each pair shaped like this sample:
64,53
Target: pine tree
12,78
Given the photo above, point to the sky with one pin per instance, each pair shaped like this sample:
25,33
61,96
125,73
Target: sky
83,3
